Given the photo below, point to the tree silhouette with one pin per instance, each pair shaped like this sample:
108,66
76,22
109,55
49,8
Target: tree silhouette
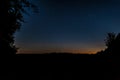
112,42
11,17
110,39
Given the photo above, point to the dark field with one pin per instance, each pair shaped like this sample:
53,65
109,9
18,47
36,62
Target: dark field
67,67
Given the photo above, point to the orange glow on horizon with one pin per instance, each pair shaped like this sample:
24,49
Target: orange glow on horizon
87,51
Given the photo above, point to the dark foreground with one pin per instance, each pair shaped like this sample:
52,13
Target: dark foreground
65,67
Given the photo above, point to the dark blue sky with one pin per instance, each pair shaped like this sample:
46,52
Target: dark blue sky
69,26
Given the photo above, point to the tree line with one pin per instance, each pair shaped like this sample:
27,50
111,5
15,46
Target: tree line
11,17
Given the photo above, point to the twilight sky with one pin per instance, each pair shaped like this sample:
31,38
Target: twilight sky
78,26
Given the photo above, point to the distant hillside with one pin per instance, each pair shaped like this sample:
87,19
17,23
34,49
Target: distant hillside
55,53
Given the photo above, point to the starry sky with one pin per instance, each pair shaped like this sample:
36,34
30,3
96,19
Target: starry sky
77,26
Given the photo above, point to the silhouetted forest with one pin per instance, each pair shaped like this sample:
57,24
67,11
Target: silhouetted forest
11,18
112,42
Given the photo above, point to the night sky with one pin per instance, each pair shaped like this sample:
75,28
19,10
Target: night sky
77,26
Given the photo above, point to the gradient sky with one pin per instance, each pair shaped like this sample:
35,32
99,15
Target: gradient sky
78,26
